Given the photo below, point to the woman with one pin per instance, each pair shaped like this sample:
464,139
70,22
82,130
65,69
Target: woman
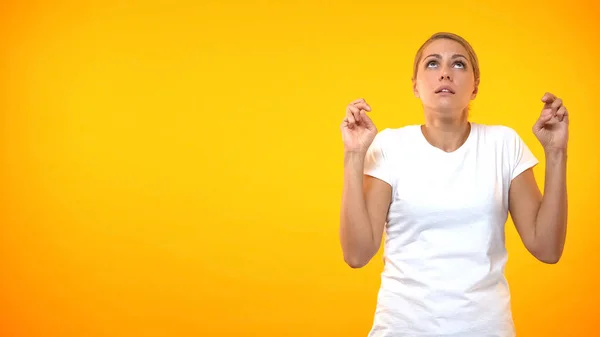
442,192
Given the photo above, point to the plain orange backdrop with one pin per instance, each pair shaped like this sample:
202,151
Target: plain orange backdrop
175,168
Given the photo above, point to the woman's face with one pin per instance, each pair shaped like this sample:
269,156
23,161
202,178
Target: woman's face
445,82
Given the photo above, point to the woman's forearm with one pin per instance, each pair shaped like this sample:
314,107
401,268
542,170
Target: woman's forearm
551,221
356,232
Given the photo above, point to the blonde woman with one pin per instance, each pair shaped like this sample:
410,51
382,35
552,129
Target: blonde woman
441,192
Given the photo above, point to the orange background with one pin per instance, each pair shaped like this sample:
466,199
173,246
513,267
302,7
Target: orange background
175,168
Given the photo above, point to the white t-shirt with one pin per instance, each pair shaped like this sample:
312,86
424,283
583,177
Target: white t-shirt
444,249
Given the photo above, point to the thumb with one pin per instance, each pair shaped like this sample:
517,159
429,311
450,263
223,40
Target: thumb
545,117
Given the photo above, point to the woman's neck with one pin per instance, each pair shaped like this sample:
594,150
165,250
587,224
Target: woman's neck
446,134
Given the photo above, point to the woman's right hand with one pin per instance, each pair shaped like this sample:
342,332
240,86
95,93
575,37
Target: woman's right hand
358,130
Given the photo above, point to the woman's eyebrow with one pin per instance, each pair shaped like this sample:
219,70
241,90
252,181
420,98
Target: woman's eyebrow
438,56
457,55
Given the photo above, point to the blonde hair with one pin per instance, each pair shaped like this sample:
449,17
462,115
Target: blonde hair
454,37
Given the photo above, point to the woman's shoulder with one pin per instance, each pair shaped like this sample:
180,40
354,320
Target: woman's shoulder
399,132
497,131
390,139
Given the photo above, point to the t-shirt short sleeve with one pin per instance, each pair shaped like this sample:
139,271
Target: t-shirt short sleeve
521,155
376,162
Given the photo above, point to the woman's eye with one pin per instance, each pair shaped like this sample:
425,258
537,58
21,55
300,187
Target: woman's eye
431,64
461,64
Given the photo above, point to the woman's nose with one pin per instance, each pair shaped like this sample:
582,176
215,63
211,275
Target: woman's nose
445,76
445,73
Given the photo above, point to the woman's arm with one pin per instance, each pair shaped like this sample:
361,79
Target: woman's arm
365,199
365,203
541,221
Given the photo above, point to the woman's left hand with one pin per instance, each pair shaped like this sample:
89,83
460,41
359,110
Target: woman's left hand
552,128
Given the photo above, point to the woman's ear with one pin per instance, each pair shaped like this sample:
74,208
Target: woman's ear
475,90
415,90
